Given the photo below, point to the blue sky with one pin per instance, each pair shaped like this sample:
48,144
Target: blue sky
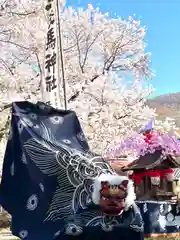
162,18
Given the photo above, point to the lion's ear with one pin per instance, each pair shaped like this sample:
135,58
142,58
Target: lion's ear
104,184
124,184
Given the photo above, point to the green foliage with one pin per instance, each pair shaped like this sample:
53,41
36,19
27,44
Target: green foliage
4,126
4,129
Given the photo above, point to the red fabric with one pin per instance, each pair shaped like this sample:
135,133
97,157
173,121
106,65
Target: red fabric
152,173
148,136
137,177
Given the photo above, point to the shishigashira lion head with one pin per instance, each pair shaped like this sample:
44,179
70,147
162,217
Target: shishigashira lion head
113,193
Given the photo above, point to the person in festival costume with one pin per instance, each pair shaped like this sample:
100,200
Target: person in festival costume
54,187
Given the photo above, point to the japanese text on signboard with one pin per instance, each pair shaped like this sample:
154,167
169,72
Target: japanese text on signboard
51,52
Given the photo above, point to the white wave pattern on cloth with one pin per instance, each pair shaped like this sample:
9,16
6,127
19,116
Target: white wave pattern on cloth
75,172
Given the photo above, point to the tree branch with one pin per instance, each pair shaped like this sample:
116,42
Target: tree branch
6,106
6,66
78,49
23,14
15,44
105,68
88,48
88,45
39,66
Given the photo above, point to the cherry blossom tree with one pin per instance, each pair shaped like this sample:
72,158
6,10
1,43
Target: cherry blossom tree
107,70
168,125
22,37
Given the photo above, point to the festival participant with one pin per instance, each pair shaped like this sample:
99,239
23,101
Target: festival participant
55,188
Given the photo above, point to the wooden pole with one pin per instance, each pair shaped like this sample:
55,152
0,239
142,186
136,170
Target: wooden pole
60,52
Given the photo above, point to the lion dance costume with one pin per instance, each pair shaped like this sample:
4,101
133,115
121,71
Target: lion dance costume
55,188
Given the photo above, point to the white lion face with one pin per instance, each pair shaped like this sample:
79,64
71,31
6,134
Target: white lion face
113,193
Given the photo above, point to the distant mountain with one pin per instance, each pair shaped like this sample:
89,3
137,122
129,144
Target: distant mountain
167,106
172,98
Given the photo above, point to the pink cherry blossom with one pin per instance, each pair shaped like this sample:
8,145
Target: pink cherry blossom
138,146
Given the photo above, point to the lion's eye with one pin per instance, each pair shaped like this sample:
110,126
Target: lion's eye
104,198
120,198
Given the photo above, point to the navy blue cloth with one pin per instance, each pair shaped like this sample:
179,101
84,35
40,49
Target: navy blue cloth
160,217
47,180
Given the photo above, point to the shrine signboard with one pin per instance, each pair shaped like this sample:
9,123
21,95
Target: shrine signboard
50,82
